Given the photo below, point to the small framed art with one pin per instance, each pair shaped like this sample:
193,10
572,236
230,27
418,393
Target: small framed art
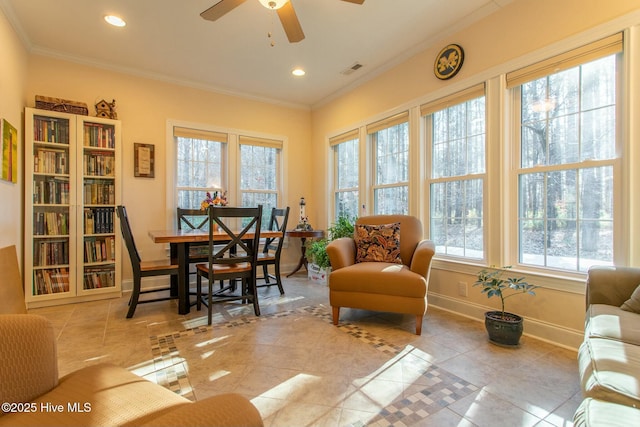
143,160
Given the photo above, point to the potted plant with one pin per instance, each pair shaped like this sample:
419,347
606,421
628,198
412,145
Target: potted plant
504,328
316,251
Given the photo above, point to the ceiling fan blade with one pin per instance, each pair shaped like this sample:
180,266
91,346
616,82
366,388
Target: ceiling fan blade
221,8
290,23
355,1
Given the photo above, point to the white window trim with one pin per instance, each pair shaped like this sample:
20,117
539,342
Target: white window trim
233,158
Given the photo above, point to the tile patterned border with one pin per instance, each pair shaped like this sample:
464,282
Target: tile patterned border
443,387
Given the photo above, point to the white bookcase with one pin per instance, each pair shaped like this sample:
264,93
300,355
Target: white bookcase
72,186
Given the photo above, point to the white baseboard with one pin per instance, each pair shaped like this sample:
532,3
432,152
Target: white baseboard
557,335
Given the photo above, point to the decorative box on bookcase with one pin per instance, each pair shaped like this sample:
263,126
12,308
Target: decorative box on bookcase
72,186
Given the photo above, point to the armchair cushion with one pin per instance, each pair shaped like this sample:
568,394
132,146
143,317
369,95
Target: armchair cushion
378,243
383,278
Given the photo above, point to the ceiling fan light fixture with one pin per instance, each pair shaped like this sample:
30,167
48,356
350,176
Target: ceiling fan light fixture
298,72
273,4
114,20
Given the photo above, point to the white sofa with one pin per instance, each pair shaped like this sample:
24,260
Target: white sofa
609,357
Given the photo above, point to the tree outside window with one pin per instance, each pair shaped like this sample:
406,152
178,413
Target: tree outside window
567,167
457,135
391,175
346,178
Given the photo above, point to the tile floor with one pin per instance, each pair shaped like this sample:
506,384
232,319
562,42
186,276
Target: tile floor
300,370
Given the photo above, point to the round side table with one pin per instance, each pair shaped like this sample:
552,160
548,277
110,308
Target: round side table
303,235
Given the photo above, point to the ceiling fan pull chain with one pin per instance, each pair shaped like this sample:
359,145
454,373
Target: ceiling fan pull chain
272,42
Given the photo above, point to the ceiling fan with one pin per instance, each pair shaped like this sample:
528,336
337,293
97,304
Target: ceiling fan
284,8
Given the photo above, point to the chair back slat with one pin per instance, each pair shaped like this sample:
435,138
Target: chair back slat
127,235
238,249
193,219
277,222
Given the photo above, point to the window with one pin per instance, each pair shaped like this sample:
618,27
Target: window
390,147
200,165
259,174
455,131
567,123
346,174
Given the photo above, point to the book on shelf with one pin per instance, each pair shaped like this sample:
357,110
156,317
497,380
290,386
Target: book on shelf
99,135
99,277
51,130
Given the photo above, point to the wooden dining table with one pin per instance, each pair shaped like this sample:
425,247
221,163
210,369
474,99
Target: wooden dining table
179,241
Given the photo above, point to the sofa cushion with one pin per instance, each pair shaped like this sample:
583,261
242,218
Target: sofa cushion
378,278
633,303
593,412
608,321
609,370
378,243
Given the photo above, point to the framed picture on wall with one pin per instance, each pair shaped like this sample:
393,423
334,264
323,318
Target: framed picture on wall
9,150
143,160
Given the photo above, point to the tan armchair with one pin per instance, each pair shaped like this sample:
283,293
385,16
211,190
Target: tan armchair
99,395
382,286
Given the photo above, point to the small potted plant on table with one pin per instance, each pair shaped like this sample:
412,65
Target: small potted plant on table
504,328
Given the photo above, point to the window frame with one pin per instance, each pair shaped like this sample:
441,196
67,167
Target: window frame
516,169
426,113
402,118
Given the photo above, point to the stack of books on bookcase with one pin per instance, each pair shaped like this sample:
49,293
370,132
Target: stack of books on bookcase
51,191
102,249
99,277
50,281
51,252
99,135
51,129
50,160
99,164
50,223
98,220
98,192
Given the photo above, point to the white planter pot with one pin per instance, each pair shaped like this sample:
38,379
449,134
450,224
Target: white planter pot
318,275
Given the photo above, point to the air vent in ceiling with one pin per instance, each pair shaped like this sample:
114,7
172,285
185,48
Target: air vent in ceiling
355,67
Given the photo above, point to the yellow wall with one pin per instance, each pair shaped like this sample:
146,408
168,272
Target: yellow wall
12,82
508,38
144,106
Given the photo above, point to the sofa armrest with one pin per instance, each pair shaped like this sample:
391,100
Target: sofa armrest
421,260
222,410
342,252
28,357
611,285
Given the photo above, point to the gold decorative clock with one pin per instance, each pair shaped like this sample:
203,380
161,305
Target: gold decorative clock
448,62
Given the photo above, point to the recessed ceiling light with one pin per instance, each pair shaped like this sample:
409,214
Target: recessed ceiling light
116,21
298,72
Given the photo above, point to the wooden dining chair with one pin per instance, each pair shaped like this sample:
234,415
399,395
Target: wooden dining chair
272,248
142,268
195,219
234,260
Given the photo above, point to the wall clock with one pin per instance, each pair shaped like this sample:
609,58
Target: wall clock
448,62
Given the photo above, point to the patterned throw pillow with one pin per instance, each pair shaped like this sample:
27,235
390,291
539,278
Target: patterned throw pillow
379,243
633,303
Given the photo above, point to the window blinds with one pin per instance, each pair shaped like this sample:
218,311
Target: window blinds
261,142
388,122
598,49
453,99
344,137
200,134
